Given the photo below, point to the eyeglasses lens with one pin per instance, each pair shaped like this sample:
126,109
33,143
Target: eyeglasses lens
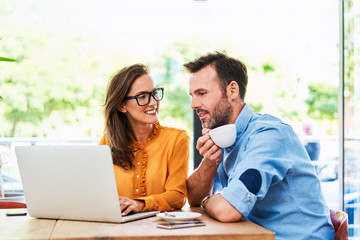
144,98
157,93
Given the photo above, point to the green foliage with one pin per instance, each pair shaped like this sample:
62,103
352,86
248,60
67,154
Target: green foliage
178,105
258,107
169,72
351,53
46,81
5,59
322,101
270,91
288,104
61,79
268,68
47,91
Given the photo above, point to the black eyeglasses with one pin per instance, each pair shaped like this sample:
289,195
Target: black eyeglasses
143,98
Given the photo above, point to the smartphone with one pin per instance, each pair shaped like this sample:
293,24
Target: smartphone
16,212
173,225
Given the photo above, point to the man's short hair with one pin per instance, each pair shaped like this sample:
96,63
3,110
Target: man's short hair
228,69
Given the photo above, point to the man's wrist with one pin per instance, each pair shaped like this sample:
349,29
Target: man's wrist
213,163
202,204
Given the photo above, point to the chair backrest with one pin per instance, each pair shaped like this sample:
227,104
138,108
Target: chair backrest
339,220
10,204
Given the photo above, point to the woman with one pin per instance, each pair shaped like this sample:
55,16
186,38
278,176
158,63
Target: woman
150,161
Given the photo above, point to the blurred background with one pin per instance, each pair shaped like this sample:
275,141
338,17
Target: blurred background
56,58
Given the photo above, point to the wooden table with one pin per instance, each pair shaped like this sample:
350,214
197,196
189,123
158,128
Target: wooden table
25,227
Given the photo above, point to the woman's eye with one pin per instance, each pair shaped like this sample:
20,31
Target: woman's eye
141,97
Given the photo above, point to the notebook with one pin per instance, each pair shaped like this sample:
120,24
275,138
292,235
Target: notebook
72,183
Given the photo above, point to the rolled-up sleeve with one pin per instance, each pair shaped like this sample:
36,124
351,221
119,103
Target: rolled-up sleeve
262,160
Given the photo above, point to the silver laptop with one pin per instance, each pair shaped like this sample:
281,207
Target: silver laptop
71,182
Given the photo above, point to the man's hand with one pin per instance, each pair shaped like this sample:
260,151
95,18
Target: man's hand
128,205
200,183
208,149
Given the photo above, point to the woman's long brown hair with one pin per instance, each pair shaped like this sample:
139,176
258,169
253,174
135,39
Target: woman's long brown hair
118,131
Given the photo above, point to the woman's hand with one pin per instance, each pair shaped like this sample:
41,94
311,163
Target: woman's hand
128,205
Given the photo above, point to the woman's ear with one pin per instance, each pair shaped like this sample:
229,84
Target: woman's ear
122,108
233,90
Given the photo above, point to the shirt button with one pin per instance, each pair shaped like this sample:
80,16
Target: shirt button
138,163
228,151
249,198
137,190
137,176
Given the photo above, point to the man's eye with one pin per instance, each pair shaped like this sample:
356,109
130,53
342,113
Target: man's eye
202,93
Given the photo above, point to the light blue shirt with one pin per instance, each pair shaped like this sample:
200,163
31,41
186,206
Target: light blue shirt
268,177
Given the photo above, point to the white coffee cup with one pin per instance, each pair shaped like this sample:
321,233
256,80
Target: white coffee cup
224,136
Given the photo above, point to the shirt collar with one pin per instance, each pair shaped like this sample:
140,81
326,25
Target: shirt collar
241,123
153,135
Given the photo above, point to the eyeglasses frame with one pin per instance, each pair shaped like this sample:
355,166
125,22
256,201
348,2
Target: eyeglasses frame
150,94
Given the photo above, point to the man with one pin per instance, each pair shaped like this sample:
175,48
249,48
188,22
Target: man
266,176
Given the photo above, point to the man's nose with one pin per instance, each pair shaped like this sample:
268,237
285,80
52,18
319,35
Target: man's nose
195,104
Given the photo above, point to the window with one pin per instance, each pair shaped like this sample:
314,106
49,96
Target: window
351,119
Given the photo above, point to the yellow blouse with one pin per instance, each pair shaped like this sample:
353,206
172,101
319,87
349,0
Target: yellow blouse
160,170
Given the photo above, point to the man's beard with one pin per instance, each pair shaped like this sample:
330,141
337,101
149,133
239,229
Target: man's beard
219,116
